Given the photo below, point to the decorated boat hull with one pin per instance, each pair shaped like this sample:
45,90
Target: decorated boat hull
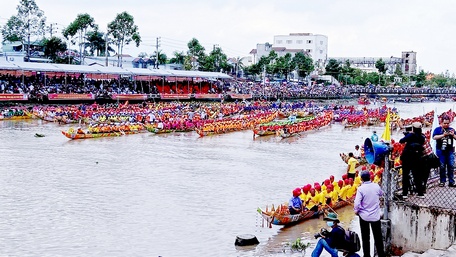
96,135
287,219
292,219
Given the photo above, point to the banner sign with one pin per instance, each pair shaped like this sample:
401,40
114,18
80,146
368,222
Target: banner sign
174,96
71,97
208,96
129,97
240,96
13,97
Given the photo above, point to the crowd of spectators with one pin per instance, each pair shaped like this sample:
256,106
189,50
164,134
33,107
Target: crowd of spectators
37,87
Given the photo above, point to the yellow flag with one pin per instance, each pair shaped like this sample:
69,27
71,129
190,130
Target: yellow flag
386,136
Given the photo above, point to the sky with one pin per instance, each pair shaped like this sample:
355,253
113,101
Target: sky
355,28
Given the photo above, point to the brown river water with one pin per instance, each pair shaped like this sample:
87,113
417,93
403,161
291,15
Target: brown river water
162,195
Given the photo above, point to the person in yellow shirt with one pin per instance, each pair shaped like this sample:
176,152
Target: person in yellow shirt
325,184
319,194
352,164
357,181
352,190
313,201
331,196
343,190
305,193
378,177
338,186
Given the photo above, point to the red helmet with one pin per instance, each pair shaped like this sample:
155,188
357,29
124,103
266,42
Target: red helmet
340,183
297,192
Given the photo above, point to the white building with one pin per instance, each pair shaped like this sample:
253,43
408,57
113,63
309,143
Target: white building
315,46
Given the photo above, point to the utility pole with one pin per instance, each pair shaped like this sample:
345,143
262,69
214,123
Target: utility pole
106,48
51,28
156,52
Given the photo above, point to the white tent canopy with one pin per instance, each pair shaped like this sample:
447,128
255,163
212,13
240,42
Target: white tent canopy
68,68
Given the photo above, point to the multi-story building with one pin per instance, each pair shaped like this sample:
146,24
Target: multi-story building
409,62
315,46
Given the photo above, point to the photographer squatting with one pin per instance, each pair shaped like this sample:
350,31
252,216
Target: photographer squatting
332,240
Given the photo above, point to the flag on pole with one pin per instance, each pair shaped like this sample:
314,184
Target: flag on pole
386,136
435,124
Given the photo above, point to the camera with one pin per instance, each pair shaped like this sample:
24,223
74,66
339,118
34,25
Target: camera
323,232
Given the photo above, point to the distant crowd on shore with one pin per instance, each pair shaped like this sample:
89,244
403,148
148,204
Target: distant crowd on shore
36,87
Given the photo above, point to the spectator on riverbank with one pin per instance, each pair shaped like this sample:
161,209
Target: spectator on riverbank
367,207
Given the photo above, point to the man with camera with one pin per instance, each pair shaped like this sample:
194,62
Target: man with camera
444,136
330,240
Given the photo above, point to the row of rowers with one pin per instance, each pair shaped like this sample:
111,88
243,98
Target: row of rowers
331,191
110,127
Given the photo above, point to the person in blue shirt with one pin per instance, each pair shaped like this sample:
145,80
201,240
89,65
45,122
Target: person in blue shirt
295,203
374,136
332,240
444,137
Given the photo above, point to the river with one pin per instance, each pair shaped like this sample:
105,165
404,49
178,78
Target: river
161,195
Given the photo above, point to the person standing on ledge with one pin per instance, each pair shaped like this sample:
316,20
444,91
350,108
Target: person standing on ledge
352,164
444,136
367,207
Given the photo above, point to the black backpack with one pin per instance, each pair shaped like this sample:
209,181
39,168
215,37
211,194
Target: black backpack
353,242
412,151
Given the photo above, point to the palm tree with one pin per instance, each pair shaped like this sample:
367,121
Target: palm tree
96,42
178,58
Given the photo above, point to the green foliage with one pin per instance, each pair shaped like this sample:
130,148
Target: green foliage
398,70
380,65
29,21
215,61
161,58
283,65
80,26
195,49
333,68
196,57
53,46
12,31
96,42
124,31
303,64
178,58
298,245
420,79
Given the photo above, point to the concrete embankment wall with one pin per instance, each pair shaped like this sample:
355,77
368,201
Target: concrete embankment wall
416,228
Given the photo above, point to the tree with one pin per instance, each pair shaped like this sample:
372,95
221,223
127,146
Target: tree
303,64
284,65
29,21
196,54
380,65
333,68
215,61
124,31
420,79
347,73
11,31
178,58
96,42
160,58
53,46
79,26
